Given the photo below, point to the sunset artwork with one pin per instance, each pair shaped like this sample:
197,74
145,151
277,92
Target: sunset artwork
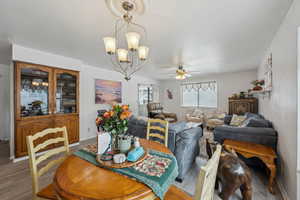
108,92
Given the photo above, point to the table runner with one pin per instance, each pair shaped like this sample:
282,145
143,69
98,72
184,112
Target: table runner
158,182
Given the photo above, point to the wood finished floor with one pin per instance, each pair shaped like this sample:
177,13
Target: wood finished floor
15,179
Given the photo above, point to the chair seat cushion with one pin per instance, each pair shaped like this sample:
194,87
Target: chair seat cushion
174,193
47,193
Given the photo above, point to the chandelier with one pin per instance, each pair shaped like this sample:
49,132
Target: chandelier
124,48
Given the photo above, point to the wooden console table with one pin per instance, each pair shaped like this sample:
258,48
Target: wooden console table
264,153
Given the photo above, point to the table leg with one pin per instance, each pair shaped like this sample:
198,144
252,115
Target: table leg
272,169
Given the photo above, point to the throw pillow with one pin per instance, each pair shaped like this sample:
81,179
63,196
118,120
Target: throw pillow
220,115
254,122
191,125
197,113
237,120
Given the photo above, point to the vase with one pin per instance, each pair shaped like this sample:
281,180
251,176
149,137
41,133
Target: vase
124,143
114,142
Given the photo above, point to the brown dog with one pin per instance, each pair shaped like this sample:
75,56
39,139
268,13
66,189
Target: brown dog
233,173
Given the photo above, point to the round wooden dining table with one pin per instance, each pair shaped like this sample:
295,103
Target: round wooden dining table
77,179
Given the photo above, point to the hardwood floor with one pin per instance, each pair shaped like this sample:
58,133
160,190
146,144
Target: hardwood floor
15,178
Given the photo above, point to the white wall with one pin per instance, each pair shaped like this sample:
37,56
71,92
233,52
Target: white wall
88,108
298,123
281,107
4,102
228,83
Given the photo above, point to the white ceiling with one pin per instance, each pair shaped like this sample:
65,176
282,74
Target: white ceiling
210,36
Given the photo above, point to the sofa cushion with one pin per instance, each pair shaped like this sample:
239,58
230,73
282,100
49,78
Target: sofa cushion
256,122
237,120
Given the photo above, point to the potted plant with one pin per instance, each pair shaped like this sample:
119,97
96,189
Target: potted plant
257,85
115,122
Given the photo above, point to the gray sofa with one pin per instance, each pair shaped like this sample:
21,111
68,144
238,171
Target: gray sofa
182,141
255,129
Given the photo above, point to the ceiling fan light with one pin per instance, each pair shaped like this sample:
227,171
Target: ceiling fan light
110,45
133,40
180,77
122,55
143,53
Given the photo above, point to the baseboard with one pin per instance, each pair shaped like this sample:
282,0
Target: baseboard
38,154
282,190
88,138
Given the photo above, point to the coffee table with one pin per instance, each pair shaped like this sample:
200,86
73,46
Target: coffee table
264,153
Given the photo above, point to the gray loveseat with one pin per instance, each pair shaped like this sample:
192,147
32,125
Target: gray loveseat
256,130
182,141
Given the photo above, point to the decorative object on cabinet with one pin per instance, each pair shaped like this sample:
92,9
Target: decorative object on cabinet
45,97
241,106
108,92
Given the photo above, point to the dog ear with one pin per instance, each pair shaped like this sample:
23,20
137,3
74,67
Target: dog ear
230,150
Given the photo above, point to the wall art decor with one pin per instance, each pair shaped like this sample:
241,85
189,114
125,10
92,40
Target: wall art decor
108,92
268,74
169,94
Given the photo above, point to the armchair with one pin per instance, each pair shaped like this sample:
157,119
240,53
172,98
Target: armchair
196,116
155,110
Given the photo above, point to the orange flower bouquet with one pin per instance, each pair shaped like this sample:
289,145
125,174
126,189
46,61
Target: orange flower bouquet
114,121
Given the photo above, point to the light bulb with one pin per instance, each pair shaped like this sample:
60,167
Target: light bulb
143,52
110,45
122,55
133,39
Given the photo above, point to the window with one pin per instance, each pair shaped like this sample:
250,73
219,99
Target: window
202,94
145,94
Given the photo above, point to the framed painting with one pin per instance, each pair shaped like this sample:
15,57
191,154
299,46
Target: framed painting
108,92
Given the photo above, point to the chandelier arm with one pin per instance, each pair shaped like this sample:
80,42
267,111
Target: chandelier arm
118,66
117,30
132,59
138,67
143,28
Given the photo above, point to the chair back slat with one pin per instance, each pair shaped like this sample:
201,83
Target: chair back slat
50,153
35,161
51,164
163,131
46,132
157,128
47,143
207,177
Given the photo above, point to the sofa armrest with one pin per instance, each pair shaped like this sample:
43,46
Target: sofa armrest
191,133
187,148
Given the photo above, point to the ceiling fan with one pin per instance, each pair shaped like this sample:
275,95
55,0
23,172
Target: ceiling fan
181,73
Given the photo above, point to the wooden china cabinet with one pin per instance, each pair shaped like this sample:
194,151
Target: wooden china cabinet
45,97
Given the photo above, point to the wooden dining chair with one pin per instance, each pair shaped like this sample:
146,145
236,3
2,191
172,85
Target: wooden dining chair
47,192
154,130
205,186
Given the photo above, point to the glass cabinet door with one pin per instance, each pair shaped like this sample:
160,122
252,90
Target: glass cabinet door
34,91
66,92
